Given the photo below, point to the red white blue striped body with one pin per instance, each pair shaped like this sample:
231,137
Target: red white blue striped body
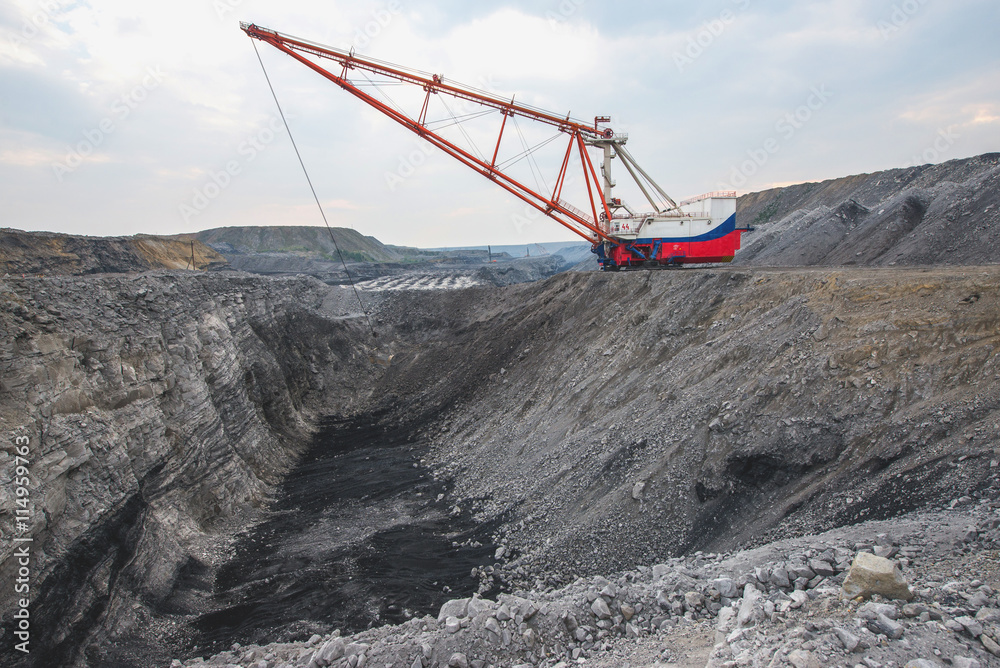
701,229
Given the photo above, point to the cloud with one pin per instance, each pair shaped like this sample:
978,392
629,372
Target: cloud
29,157
688,126
962,103
986,114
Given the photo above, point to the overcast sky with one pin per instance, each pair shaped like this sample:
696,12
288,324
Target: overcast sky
119,117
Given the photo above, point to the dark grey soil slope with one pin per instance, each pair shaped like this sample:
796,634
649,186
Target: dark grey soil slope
599,420
933,214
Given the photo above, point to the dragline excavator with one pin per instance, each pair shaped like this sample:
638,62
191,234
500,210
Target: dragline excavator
698,230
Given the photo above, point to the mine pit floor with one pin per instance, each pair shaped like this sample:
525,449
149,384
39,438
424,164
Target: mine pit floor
357,537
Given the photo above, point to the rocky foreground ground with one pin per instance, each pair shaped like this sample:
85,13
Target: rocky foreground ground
798,602
598,421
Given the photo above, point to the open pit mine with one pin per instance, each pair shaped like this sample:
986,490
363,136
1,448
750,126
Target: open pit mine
787,461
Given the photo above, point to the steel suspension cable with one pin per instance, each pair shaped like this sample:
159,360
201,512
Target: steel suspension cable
524,154
377,85
479,154
539,179
315,196
448,122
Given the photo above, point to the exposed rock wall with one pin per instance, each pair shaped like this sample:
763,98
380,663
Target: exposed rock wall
161,408
603,420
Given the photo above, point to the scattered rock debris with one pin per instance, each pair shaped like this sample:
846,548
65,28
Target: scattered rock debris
783,604
174,403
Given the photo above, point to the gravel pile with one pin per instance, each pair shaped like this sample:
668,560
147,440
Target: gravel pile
783,604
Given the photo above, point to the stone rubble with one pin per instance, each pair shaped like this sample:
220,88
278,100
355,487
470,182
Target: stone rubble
753,608
192,394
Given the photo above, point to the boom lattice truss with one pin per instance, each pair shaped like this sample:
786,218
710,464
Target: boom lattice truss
592,227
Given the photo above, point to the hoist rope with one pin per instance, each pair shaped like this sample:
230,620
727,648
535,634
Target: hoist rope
315,196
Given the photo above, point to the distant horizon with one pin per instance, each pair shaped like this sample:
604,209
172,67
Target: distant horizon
321,227
465,246
109,127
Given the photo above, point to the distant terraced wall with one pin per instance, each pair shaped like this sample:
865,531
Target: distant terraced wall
51,254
